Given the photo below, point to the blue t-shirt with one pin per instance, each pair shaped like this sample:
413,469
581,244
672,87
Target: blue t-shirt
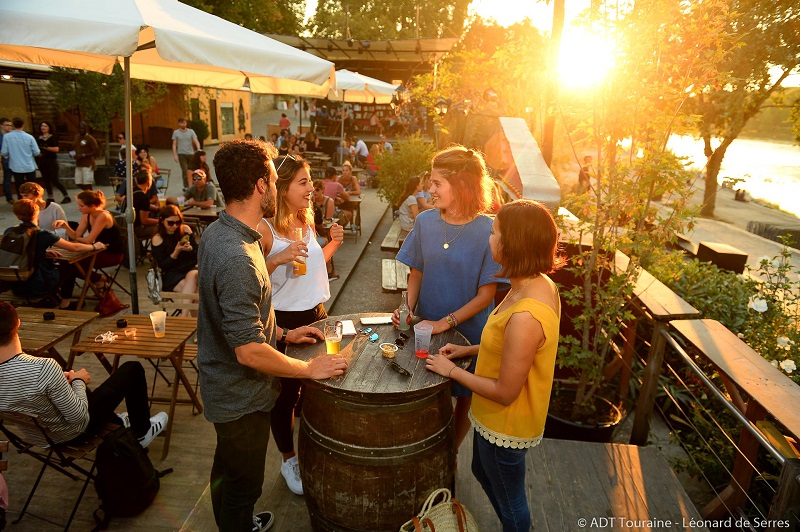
451,277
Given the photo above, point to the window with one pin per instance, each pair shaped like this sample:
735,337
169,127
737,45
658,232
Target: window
227,119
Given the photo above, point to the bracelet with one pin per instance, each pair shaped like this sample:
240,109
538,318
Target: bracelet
283,336
451,320
451,371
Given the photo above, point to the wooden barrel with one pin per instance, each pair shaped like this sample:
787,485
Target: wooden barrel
374,443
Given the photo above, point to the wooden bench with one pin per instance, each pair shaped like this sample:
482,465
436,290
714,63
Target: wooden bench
744,373
394,275
392,241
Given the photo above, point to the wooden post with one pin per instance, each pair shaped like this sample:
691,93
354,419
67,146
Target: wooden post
647,395
786,503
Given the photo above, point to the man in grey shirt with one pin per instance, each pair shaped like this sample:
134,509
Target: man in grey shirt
236,335
184,142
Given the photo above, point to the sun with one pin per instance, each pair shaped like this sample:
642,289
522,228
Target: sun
586,59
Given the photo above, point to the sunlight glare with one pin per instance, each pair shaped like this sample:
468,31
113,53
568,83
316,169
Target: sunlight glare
586,59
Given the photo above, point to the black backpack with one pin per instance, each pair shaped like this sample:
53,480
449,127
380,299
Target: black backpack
17,252
126,481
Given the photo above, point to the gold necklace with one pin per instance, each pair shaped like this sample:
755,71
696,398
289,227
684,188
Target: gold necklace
448,242
513,294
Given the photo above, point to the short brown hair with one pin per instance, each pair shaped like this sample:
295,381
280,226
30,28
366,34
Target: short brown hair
9,323
239,164
29,187
25,210
466,171
528,239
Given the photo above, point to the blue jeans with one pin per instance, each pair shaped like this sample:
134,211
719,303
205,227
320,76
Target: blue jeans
501,473
238,470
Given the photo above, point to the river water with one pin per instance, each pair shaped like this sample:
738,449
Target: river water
771,169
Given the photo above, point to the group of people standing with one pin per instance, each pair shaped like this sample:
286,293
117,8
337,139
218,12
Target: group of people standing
253,304
22,154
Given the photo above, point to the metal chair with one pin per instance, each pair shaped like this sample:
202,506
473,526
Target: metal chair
164,173
63,457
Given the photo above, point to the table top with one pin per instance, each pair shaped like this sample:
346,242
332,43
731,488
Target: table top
37,334
144,344
198,212
368,371
74,256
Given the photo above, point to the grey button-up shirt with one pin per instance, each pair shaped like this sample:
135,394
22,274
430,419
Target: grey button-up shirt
235,310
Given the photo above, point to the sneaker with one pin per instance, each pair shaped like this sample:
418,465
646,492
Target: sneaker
333,276
157,423
263,521
66,200
290,470
126,420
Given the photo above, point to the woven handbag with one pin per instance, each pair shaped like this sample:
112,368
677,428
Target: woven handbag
446,515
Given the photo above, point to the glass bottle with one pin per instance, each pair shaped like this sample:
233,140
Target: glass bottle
404,312
299,264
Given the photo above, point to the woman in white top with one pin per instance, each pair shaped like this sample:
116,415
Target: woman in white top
298,299
409,209
49,211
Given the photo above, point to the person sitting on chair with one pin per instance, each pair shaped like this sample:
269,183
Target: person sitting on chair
175,251
145,225
37,386
46,275
201,194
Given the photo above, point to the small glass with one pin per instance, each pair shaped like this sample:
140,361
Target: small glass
388,350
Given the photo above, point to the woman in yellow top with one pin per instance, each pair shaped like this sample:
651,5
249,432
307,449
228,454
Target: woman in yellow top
516,358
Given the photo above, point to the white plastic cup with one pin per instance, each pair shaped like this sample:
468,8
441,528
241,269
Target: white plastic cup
159,321
422,339
181,201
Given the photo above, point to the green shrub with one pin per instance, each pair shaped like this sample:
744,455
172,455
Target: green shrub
200,129
411,156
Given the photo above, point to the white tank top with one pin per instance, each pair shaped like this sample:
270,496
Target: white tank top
292,292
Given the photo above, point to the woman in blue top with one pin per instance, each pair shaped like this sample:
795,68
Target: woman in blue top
453,275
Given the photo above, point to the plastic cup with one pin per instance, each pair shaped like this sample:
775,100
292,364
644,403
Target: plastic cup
388,350
162,200
333,337
159,321
422,339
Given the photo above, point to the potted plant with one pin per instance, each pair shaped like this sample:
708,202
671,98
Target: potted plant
624,124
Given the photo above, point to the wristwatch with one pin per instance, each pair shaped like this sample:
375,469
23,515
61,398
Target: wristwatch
283,336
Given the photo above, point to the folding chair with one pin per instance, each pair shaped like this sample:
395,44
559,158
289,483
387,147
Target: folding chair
62,457
164,176
173,303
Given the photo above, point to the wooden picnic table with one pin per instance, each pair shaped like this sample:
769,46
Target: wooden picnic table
39,336
146,345
384,440
76,258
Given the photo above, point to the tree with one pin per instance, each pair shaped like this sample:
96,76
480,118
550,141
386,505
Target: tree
263,16
509,60
397,19
99,98
766,36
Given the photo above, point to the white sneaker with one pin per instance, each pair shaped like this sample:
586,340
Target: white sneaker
126,420
157,423
290,470
263,521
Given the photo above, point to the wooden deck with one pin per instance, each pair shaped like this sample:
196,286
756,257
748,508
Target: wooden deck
621,487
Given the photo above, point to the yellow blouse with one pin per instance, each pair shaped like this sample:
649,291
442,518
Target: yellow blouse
521,424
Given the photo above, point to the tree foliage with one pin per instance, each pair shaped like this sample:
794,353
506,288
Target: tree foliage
263,16
763,35
509,60
397,19
99,98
